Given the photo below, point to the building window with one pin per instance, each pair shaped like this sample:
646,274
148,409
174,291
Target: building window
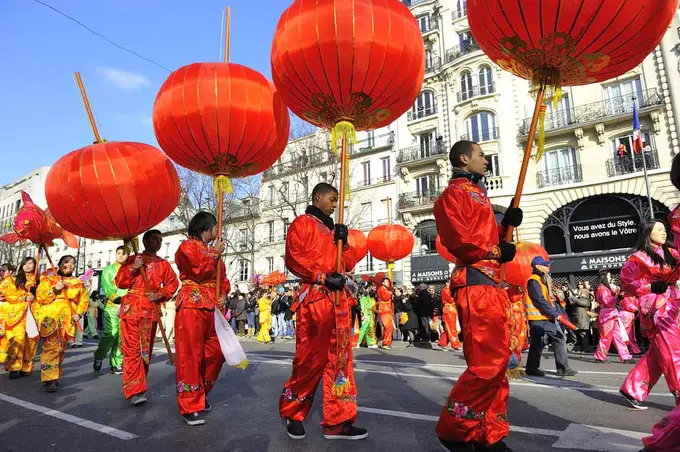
427,143
624,158
424,105
426,185
304,181
17,206
494,167
243,239
619,96
270,194
270,228
285,191
167,250
285,269
243,270
371,139
466,90
369,262
486,81
323,177
270,264
426,232
482,127
366,215
559,167
386,169
424,23
428,60
560,116
366,169
285,228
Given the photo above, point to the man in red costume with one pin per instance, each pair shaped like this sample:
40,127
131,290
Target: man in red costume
138,316
386,312
323,351
474,417
449,319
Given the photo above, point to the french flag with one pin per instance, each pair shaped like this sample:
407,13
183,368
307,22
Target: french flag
637,137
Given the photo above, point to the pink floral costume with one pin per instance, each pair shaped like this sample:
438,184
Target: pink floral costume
629,308
611,327
665,435
659,322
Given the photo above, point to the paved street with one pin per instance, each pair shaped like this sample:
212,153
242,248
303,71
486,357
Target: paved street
400,395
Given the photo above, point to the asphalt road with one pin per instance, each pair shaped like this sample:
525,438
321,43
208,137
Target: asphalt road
400,396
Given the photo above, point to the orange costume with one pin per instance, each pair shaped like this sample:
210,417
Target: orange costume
449,317
16,348
386,313
199,356
476,408
138,319
323,351
518,329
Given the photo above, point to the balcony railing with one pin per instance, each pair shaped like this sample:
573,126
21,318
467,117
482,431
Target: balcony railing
629,164
420,113
615,106
374,181
302,162
458,51
478,90
412,200
432,24
235,212
433,65
494,183
559,176
482,135
386,140
420,152
460,12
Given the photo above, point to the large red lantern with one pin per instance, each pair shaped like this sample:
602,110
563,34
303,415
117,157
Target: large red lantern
390,243
519,270
113,189
357,240
220,119
443,252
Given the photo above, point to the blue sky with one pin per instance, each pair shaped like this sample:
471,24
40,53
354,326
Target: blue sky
42,117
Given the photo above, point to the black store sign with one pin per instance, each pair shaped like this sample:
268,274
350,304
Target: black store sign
430,268
429,276
596,235
589,263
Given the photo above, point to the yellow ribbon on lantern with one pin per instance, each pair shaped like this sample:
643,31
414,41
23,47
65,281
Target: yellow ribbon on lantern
224,182
541,134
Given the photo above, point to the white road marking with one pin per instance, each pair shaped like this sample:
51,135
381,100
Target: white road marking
69,418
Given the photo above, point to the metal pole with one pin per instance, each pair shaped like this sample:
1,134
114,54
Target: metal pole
649,195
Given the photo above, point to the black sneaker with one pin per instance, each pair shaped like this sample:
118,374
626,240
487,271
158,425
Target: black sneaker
535,372
51,386
116,370
455,447
567,372
25,374
295,429
97,366
194,419
500,446
13,375
347,432
634,402
208,407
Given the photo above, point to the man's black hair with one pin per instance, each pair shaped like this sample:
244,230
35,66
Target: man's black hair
123,249
200,223
463,147
323,188
149,233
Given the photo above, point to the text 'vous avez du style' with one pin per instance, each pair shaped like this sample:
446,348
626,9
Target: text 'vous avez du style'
598,230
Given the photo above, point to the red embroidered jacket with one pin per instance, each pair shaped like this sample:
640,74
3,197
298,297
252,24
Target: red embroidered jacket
162,280
197,264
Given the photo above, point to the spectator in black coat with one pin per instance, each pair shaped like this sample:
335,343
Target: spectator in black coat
407,305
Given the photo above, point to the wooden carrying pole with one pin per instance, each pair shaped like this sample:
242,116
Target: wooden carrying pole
341,208
79,80
390,265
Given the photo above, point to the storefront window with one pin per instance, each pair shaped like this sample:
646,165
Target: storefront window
426,232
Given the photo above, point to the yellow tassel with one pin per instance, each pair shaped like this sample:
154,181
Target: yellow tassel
515,374
541,134
390,270
224,182
242,365
342,129
557,97
348,191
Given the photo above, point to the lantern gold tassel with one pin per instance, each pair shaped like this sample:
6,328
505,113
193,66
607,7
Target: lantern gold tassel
343,129
390,271
541,135
224,182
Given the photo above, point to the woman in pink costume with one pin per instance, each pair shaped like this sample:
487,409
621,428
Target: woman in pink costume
629,307
665,435
611,328
650,274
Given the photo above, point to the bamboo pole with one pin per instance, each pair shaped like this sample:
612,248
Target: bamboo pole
79,80
390,265
341,208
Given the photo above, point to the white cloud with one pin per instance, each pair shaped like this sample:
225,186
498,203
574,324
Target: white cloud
125,80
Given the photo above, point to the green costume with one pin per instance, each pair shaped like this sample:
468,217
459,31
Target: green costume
112,340
367,329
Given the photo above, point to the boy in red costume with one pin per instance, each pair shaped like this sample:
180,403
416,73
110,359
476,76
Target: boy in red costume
323,351
138,318
386,312
474,417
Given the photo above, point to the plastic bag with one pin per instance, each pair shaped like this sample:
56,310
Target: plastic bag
231,348
31,327
403,318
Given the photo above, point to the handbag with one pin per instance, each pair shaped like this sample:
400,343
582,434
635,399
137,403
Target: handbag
403,318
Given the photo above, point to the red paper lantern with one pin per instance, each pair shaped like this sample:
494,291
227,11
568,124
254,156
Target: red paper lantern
579,41
360,61
110,190
443,252
518,272
220,119
390,242
357,240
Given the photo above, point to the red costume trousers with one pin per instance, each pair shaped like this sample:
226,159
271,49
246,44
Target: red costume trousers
320,327
199,358
451,334
387,328
137,334
476,408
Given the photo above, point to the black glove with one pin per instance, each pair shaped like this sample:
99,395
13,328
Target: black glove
513,216
508,251
335,281
341,233
117,300
659,288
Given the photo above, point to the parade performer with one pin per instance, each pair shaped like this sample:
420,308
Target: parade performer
649,273
64,300
449,321
610,326
518,330
112,340
17,350
138,319
474,417
386,312
665,435
368,310
627,314
264,306
199,356
323,353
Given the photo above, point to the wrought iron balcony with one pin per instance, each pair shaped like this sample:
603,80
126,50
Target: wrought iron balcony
419,113
432,24
458,51
241,211
460,12
420,152
635,163
559,176
374,181
477,90
422,199
384,141
482,135
615,106
433,65
302,162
